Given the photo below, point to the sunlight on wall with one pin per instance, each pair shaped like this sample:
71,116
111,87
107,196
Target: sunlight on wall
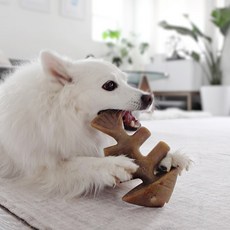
106,14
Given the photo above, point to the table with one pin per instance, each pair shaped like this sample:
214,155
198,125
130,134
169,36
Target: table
140,79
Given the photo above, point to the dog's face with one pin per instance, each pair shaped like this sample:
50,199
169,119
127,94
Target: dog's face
94,85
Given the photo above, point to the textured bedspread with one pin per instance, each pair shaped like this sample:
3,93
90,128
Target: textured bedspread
200,201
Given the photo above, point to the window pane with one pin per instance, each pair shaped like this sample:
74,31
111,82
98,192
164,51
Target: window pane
107,14
108,8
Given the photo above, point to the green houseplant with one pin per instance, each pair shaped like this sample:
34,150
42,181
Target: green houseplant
212,59
121,48
214,97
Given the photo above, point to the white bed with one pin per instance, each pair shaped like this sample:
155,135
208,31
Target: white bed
200,201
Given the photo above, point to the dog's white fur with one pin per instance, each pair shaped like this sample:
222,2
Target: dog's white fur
45,133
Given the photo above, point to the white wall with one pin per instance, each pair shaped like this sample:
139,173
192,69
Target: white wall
23,33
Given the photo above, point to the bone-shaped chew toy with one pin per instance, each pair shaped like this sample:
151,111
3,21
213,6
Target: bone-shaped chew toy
155,190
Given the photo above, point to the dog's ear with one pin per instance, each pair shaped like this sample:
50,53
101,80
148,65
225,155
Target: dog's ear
55,66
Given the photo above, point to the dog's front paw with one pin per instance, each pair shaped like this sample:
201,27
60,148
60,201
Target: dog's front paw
177,160
118,169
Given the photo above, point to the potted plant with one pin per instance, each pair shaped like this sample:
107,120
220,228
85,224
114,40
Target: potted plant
121,49
209,59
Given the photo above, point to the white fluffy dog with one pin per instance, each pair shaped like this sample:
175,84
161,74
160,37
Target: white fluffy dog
45,133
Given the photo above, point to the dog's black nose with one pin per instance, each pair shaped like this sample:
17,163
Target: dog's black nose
146,100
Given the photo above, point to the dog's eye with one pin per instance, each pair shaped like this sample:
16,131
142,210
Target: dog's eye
109,86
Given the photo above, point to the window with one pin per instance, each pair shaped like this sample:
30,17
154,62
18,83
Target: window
106,14
172,12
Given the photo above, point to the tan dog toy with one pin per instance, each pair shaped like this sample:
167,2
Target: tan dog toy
155,190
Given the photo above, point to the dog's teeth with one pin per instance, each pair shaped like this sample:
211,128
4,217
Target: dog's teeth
132,124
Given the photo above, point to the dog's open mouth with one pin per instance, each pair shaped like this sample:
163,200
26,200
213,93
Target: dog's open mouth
129,121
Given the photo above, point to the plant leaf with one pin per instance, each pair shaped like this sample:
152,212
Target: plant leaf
221,18
105,35
130,60
127,43
143,47
112,34
197,31
124,52
117,61
195,56
110,44
179,29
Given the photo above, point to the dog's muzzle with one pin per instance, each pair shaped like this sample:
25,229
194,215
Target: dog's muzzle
129,121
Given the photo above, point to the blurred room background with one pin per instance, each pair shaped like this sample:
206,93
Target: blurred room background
180,47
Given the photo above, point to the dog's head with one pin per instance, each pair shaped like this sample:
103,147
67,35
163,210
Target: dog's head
93,85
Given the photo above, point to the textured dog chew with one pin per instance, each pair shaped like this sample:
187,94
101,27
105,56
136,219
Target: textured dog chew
155,190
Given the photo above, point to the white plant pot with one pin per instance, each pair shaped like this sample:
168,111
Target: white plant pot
216,100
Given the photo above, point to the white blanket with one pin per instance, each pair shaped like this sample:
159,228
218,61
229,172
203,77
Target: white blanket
200,201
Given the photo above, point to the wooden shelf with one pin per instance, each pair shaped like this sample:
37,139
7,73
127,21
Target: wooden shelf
188,96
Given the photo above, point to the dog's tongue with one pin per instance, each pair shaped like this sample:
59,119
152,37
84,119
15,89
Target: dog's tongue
130,122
